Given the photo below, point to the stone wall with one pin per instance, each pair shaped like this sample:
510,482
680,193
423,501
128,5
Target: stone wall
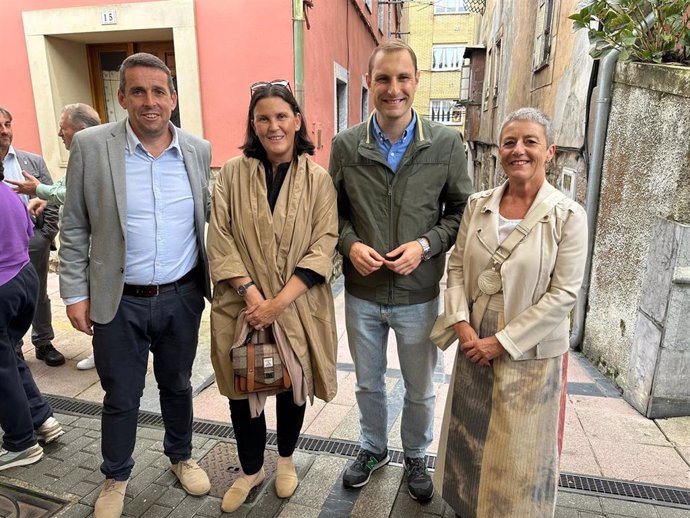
646,175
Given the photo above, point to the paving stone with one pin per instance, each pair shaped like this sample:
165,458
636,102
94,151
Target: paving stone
70,446
566,512
82,488
626,508
75,511
65,484
156,511
140,482
145,500
146,432
172,497
93,434
145,459
578,501
89,423
378,496
187,507
141,446
211,508
316,485
65,419
298,511
591,515
671,512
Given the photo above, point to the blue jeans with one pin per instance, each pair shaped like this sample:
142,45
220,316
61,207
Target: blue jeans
368,324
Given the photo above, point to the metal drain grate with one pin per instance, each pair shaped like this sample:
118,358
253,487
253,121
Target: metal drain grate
621,488
616,488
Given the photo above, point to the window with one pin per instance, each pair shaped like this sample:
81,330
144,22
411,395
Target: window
465,81
381,7
365,102
542,34
447,111
447,57
449,6
341,94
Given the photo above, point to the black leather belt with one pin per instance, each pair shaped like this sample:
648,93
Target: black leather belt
153,290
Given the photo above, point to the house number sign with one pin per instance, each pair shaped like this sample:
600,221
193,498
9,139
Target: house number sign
109,17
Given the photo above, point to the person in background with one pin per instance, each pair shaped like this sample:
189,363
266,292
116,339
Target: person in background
500,439
25,415
74,118
17,163
271,242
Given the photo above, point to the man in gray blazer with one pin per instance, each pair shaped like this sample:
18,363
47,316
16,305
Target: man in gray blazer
45,229
133,268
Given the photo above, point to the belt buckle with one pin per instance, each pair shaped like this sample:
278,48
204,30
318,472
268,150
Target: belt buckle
158,289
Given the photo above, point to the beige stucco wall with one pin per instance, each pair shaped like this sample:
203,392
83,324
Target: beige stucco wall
646,174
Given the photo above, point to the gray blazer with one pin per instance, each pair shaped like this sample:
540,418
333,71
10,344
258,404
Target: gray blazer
94,220
46,223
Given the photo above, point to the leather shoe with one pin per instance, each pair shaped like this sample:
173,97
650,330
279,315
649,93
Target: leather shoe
286,479
50,355
238,492
194,480
111,501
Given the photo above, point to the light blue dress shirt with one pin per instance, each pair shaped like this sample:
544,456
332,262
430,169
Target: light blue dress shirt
161,235
13,171
393,152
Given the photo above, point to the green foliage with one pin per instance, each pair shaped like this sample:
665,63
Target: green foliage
620,24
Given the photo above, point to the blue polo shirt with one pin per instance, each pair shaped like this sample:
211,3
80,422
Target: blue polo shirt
393,152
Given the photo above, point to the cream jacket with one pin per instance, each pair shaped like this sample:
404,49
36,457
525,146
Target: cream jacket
246,239
541,278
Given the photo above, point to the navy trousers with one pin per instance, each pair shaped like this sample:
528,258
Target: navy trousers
168,326
23,408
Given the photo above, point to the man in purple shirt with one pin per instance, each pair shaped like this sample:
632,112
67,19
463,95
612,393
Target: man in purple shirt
23,408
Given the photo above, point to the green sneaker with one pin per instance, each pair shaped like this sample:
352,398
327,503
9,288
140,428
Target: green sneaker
359,473
11,459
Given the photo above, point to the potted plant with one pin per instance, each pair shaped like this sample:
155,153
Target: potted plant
621,25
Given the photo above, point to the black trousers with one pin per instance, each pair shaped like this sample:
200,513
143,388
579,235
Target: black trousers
168,326
42,333
22,407
251,433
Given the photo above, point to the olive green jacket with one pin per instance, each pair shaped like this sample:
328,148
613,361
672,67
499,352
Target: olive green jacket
383,209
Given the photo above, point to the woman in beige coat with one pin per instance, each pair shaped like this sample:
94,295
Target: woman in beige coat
499,447
271,240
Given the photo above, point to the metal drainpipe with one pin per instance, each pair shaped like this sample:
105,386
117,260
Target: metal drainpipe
601,122
298,48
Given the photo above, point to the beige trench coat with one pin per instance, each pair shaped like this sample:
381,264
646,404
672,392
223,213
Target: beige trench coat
245,239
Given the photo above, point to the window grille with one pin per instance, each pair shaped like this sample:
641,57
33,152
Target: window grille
447,111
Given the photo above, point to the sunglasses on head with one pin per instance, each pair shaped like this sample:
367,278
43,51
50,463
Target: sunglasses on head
266,84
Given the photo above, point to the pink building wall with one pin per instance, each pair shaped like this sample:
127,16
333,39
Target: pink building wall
239,42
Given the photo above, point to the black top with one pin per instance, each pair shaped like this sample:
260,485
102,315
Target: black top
273,186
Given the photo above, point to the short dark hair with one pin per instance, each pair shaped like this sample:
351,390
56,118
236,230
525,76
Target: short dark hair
6,113
81,115
144,59
389,47
252,147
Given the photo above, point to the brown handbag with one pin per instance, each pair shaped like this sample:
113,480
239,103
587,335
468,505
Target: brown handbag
257,364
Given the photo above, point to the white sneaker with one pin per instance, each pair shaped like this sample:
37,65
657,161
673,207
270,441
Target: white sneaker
49,431
87,363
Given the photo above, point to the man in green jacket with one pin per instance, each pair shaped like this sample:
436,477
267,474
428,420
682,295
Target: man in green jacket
402,186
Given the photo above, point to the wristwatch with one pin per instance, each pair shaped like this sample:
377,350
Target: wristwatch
426,248
242,290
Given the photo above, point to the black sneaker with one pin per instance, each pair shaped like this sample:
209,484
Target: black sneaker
50,355
358,474
419,483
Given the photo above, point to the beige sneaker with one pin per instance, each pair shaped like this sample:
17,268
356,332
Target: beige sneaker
239,491
111,500
194,480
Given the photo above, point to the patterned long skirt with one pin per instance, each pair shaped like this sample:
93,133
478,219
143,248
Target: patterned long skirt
502,428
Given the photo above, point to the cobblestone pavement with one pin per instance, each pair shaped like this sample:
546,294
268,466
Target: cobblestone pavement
69,476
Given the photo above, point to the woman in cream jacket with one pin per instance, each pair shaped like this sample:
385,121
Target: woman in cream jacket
504,414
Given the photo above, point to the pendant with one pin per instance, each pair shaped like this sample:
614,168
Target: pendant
489,282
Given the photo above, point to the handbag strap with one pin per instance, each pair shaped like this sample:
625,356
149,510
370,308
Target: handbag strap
522,230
